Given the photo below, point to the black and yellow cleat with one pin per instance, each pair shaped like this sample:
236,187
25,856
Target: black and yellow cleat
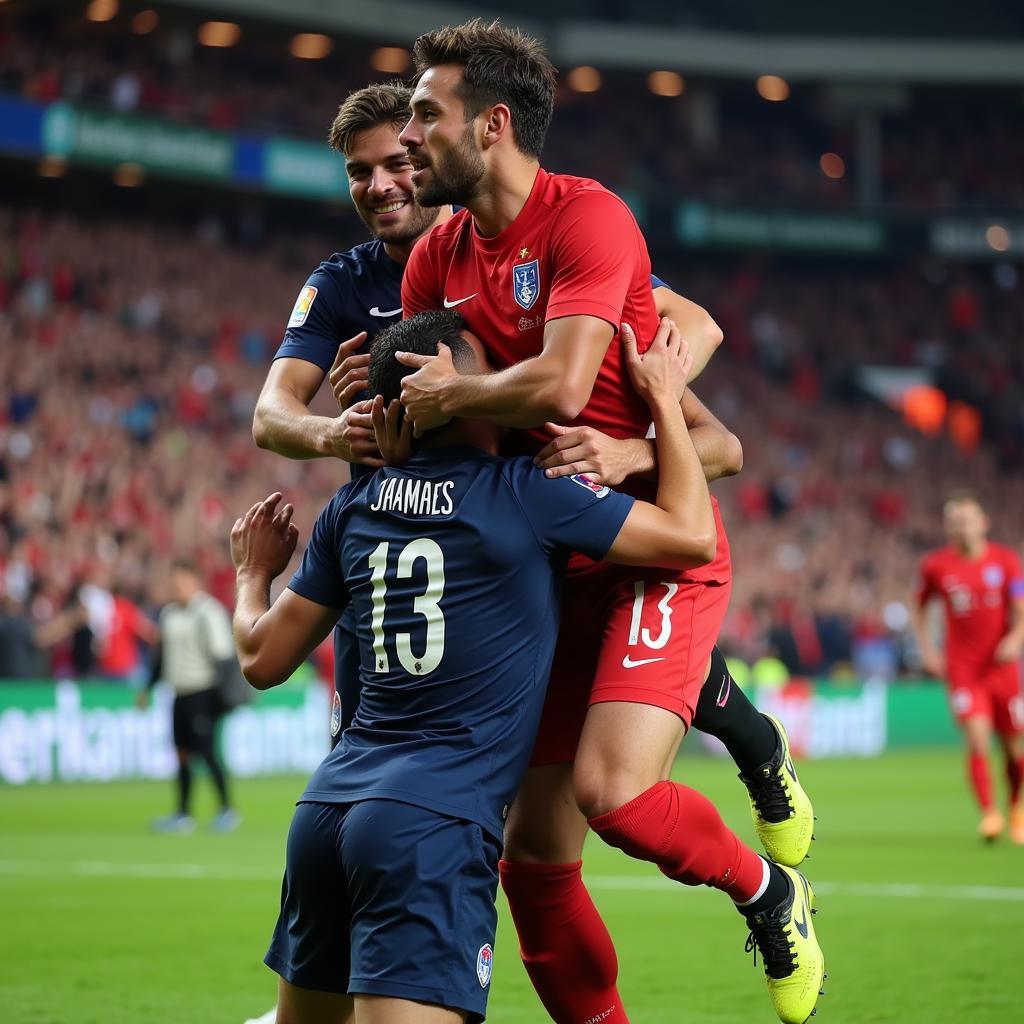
794,966
781,810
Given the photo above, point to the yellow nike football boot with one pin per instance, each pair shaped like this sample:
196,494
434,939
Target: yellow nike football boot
781,810
794,966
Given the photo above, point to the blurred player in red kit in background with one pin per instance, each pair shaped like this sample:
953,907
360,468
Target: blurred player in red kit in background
982,588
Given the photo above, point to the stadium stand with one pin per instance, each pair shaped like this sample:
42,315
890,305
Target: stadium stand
131,354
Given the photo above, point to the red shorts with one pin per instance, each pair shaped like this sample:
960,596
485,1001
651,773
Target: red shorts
993,693
631,634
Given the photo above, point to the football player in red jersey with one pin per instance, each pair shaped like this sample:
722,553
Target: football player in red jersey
545,269
982,588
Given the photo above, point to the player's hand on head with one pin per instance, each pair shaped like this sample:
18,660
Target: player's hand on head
662,371
350,371
392,431
423,392
351,436
264,539
573,450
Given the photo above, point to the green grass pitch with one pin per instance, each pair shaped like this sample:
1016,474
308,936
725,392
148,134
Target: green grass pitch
106,923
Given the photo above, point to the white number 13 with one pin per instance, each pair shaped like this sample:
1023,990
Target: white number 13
427,604
636,634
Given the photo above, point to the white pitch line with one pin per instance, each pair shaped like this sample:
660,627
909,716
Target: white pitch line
613,883
897,890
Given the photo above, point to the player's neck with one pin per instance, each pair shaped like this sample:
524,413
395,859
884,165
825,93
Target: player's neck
508,188
465,433
400,251
973,550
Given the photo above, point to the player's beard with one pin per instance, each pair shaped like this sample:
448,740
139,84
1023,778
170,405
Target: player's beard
456,176
417,223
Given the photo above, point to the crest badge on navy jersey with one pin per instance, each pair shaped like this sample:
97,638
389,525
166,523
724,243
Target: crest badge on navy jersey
484,963
526,283
336,714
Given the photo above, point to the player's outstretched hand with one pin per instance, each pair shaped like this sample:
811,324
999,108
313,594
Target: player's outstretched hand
423,391
349,372
263,540
661,373
352,436
572,450
392,431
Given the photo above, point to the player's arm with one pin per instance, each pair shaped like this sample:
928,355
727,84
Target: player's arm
695,323
1012,645
611,460
932,660
678,530
597,249
284,423
272,640
554,385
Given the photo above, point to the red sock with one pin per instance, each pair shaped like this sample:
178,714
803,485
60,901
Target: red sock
1015,777
565,945
981,781
680,831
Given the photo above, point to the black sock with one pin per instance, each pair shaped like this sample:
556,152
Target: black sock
184,785
724,711
778,889
216,773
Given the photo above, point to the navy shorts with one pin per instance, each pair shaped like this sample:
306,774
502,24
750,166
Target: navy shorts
346,674
383,898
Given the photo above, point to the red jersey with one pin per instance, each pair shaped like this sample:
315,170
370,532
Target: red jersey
978,594
574,250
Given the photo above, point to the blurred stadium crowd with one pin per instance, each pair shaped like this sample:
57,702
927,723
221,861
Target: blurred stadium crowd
131,352
131,356
943,147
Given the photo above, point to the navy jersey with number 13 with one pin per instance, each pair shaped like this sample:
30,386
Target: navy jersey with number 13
452,564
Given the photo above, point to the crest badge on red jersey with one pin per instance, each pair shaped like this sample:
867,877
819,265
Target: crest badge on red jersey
526,283
993,576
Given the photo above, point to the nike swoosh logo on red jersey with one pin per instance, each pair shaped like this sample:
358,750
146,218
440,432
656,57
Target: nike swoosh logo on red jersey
628,662
458,302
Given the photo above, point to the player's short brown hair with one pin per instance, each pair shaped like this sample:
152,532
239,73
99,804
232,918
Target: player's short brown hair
961,496
385,103
419,334
499,65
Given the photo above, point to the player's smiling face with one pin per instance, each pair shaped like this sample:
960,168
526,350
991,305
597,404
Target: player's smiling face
380,183
441,142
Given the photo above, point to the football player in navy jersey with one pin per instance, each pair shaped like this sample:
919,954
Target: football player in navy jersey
451,565
355,294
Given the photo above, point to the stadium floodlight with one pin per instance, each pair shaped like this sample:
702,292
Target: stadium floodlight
666,83
832,165
391,59
101,10
219,33
998,238
310,46
772,88
584,79
145,21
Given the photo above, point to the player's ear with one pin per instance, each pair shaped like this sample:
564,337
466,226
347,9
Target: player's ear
499,124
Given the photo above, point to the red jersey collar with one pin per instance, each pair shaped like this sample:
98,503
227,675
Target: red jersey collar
504,240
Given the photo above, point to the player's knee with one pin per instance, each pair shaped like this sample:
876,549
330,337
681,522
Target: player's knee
599,789
528,845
